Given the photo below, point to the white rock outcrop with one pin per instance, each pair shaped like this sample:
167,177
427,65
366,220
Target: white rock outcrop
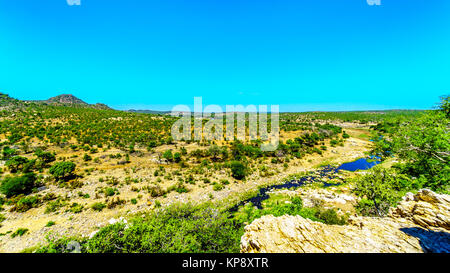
420,223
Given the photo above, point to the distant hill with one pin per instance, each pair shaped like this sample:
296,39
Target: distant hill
66,99
60,100
149,112
71,100
6,100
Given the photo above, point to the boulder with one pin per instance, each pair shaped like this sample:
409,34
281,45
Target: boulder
418,225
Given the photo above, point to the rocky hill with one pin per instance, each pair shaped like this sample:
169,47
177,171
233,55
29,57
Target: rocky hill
60,100
6,100
420,223
66,99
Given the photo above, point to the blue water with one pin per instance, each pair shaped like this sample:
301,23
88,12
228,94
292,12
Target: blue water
360,164
325,172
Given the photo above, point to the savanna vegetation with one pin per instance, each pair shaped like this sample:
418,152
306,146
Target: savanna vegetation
79,160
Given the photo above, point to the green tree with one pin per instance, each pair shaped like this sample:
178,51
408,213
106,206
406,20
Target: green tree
445,105
16,163
177,157
378,188
8,152
12,186
238,170
168,155
214,151
62,170
424,145
87,157
45,157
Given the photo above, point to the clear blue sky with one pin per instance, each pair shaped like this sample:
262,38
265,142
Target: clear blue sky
302,55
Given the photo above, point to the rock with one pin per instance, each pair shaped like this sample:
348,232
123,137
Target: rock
113,221
41,188
426,209
92,234
419,225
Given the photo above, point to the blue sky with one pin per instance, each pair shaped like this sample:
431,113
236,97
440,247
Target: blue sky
302,55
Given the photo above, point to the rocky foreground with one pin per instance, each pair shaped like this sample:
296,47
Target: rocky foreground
420,223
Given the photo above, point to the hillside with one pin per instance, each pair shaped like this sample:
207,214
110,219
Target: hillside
66,99
60,100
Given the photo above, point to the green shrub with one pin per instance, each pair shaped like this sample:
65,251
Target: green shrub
381,187
19,232
110,192
12,186
98,206
16,163
26,203
8,152
178,229
54,206
176,157
45,157
76,208
61,245
87,157
330,217
218,187
63,170
168,155
238,170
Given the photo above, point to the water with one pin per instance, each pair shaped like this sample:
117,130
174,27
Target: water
360,164
324,172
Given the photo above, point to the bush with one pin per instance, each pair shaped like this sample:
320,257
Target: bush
168,155
110,192
98,206
87,157
62,170
16,163
45,157
330,217
177,157
178,229
218,187
54,206
238,170
381,187
8,152
12,186
26,203
76,208
19,232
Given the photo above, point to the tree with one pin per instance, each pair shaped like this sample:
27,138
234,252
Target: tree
214,152
238,170
87,157
424,145
45,157
445,105
8,152
16,163
62,170
177,157
12,186
378,188
168,155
